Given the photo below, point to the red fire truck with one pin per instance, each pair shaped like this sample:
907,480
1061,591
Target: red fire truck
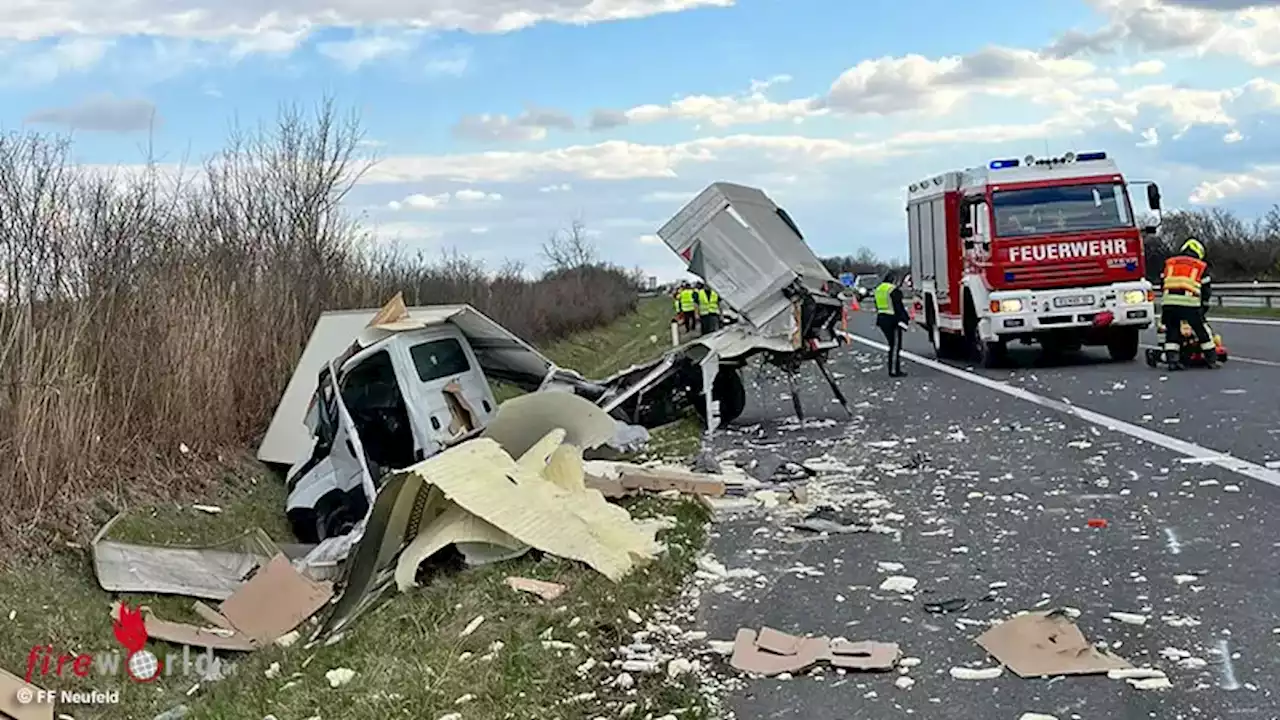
1038,250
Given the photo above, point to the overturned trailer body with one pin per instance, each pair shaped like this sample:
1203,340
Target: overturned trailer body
380,390
753,254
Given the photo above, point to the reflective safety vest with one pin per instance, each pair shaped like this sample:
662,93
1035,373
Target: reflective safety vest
884,303
675,300
686,300
709,302
1183,276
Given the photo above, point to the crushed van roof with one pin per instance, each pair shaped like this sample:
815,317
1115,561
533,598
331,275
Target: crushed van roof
502,356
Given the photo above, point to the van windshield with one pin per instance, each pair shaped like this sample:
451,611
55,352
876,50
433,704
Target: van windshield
1063,209
438,359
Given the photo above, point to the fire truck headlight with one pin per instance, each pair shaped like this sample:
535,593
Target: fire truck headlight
1010,306
1135,297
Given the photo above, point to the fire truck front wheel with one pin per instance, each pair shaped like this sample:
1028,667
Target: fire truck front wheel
1123,344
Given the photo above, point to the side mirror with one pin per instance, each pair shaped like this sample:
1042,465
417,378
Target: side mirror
1153,196
1150,230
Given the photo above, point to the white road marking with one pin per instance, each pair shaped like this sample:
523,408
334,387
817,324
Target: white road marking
1243,321
1229,681
1232,358
1171,541
1221,459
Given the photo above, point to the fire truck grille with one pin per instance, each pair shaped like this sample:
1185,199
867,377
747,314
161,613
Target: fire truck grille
1082,272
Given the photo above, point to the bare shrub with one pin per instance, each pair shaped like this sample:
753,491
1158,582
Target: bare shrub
150,320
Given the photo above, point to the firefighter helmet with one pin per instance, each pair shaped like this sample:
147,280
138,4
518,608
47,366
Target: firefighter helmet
1193,246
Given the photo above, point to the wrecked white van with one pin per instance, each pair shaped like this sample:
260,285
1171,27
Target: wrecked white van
377,391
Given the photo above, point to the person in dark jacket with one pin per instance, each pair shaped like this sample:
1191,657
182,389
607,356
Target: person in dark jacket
892,318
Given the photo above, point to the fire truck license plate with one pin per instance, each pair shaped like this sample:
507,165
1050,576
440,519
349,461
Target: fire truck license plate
1073,301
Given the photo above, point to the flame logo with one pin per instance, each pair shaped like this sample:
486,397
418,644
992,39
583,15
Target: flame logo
130,629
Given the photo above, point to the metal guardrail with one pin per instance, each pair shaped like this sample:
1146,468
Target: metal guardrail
1244,295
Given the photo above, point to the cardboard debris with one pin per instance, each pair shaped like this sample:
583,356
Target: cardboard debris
1039,644
545,590
771,652
274,601
622,479
11,709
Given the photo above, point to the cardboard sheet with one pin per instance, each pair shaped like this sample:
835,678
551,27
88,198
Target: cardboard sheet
274,601
1042,644
770,652
11,709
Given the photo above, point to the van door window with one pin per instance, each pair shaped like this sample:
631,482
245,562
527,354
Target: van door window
438,359
377,408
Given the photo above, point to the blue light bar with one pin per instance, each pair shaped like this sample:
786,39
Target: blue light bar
1008,277
1086,157
1001,164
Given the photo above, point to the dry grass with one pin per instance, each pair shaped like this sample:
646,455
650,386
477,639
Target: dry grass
146,312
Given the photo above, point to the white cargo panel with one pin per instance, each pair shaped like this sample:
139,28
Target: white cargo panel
750,249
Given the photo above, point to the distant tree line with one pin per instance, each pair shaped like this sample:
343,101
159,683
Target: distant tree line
1238,250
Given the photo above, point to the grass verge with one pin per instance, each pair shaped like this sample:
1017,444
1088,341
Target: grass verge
409,658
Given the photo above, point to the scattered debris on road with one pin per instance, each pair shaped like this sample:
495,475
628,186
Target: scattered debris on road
1042,644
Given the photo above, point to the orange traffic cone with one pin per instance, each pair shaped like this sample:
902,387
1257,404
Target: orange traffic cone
854,304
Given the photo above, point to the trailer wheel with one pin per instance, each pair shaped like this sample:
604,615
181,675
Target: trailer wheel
1123,345
729,391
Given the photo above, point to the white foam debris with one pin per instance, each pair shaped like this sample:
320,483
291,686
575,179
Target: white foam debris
1036,716
890,567
899,584
1129,618
1184,579
964,673
338,677
472,626
904,682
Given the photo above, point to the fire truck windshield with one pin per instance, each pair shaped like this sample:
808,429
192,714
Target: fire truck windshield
1062,209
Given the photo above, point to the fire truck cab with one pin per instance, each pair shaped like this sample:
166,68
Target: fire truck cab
1036,251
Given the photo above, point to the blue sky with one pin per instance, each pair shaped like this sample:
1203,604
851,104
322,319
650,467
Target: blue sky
495,122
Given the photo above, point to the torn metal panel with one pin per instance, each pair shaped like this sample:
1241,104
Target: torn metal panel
395,518
211,572
501,355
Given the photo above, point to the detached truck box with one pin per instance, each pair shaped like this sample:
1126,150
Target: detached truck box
750,251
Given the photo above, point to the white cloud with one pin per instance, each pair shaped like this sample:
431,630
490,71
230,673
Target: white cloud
1229,186
359,51
42,63
419,201
1150,138
276,19
1249,33
532,124
669,196
889,85
885,86
1145,67
650,240
479,231
1232,137
560,188
469,195
723,111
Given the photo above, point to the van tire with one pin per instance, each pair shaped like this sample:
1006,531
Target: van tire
729,391
1123,344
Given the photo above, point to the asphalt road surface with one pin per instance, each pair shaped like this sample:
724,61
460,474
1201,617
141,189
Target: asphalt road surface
988,487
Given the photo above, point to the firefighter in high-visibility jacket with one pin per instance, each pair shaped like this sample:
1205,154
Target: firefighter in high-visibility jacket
892,318
708,308
688,307
1185,291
